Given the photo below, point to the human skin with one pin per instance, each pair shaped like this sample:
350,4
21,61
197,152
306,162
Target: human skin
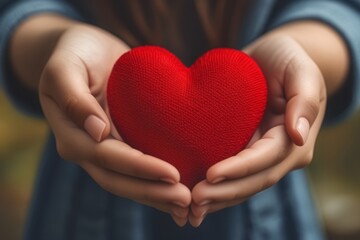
57,60
296,107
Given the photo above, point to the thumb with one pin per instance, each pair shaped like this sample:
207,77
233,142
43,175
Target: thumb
68,86
300,115
86,112
304,90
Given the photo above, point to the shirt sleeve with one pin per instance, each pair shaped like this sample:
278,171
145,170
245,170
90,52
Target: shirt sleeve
344,17
12,13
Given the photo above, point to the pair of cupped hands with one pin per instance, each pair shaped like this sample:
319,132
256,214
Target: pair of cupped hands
72,95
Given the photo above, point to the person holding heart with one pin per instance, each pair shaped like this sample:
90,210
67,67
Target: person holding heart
64,52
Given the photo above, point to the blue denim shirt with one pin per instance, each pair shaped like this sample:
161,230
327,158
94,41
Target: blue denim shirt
68,205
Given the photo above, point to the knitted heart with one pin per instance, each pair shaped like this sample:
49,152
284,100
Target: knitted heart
190,117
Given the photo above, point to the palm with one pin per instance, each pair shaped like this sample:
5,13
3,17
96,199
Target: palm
278,59
72,90
96,53
296,94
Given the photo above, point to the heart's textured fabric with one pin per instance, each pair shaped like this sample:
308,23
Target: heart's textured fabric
190,117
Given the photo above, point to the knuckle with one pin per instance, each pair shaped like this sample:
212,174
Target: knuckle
270,180
306,160
282,151
313,106
70,104
49,70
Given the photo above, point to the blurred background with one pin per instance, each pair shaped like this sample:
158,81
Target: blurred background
334,173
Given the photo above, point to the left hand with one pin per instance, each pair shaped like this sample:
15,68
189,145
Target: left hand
286,137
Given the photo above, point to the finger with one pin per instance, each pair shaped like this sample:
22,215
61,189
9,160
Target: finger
75,145
198,213
179,214
120,157
256,158
179,211
176,211
196,221
66,80
72,143
204,193
304,91
173,198
179,221
140,190
217,206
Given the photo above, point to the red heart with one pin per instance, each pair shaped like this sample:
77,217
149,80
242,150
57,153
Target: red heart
190,117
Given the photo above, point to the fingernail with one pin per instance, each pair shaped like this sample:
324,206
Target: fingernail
217,180
95,127
203,213
204,202
180,204
178,213
181,222
303,127
168,180
198,222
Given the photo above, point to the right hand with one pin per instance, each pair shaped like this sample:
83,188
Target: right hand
72,95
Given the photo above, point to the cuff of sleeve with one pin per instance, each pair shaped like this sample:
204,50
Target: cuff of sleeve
24,99
345,19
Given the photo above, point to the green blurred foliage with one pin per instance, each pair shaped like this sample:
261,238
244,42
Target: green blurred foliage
335,176
21,141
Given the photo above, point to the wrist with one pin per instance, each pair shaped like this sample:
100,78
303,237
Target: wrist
324,46
32,44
